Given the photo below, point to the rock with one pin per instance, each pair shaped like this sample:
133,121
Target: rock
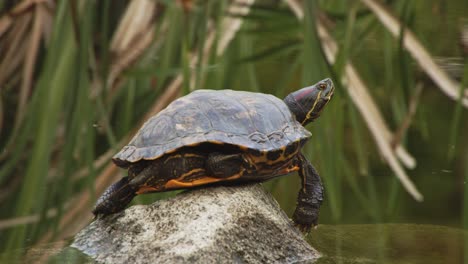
236,224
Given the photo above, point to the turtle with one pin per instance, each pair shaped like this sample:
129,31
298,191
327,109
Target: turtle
223,137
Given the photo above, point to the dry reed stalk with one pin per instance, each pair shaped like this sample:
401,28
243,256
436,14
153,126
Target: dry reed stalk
231,25
79,214
5,23
449,86
25,220
366,106
29,64
15,50
405,124
23,7
21,31
229,28
134,34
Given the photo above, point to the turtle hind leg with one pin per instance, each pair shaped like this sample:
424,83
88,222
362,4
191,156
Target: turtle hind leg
220,165
115,198
310,196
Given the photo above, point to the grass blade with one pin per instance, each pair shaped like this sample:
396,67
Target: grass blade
368,109
450,87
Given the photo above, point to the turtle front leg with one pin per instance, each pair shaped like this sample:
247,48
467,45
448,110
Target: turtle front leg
115,198
310,196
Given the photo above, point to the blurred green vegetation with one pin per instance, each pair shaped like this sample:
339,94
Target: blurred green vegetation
77,79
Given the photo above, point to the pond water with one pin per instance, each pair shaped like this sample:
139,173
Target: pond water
46,253
389,243
382,243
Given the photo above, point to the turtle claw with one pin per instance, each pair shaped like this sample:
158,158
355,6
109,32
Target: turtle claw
305,217
304,228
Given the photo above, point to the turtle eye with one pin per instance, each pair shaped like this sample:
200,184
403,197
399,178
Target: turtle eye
322,86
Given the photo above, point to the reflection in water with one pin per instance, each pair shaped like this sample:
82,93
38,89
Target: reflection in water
50,253
389,243
382,243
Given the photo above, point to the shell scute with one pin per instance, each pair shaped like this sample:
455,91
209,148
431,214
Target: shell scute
255,121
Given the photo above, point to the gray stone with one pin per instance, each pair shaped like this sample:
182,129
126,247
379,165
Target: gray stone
236,224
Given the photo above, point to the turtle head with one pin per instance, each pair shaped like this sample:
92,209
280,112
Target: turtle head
307,103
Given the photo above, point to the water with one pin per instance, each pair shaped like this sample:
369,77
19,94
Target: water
46,253
389,243
381,243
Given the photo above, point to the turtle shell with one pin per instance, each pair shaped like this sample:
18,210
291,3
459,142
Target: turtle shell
254,121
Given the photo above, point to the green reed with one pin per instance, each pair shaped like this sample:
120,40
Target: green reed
74,116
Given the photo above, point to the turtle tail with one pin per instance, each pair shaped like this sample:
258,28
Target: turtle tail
115,198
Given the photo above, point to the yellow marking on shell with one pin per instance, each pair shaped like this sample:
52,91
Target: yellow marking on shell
177,149
312,109
191,155
257,159
295,151
215,142
290,169
264,159
171,151
243,148
187,155
282,156
176,184
173,157
146,189
183,176
286,169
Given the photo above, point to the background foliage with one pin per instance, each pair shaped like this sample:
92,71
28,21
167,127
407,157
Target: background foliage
78,78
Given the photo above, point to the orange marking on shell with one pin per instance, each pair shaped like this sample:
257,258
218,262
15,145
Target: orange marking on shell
283,171
170,151
243,148
215,142
146,189
264,158
177,184
173,157
191,155
290,169
183,176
